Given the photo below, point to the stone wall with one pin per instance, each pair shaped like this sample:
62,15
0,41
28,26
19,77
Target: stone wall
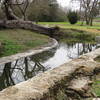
70,81
52,44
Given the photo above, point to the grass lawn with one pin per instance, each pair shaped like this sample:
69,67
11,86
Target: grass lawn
97,19
95,29
76,33
76,36
96,86
17,40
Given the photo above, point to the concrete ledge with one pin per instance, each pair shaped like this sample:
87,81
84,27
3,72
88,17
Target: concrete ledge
46,85
53,43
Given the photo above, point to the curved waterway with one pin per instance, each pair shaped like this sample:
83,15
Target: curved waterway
25,68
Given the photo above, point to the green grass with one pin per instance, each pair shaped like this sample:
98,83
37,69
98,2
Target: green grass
67,24
97,19
17,40
93,29
96,86
74,35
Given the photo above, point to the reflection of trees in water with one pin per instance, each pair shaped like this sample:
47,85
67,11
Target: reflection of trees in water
5,78
41,57
35,68
85,48
25,67
82,48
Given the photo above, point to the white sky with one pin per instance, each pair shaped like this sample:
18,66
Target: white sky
64,3
67,3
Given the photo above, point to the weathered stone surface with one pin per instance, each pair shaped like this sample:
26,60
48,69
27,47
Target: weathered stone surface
96,99
46,85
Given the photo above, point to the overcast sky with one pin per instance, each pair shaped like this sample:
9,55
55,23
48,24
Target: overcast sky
64,3
67,3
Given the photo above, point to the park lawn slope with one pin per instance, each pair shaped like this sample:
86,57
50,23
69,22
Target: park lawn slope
76,33
95,29
13,41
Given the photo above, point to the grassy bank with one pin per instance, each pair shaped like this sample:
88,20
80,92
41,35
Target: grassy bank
76,33
13,41
95,29
96,85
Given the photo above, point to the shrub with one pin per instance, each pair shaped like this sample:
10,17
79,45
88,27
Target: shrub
72,17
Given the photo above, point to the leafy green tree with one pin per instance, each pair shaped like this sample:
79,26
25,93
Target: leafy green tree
45,10
72,17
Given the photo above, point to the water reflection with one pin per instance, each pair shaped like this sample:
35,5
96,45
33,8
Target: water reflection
66,52
5,76
25,68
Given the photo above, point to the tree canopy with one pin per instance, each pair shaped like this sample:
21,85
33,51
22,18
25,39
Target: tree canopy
35,10
89,9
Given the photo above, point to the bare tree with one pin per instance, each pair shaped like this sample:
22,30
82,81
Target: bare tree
13,21
23,7
90,9
7,6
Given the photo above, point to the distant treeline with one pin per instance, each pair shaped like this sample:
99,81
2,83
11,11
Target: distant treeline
41,10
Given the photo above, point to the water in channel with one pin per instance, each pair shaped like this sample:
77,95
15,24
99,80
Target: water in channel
25,68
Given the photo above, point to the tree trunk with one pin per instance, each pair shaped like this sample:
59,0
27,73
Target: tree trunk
17,24
91,24
8,11
91,21
87,22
